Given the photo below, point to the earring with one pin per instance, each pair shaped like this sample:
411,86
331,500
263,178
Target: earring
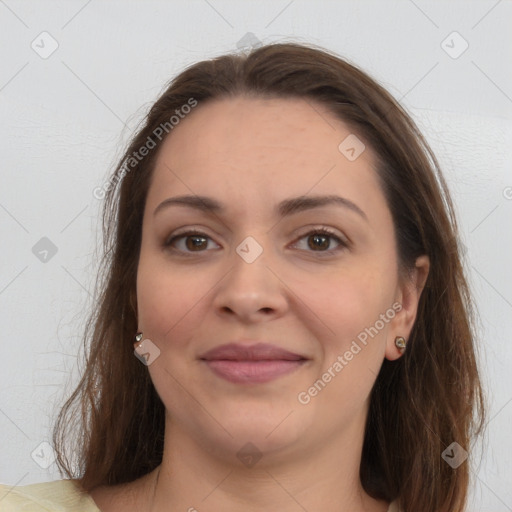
400,343
138,337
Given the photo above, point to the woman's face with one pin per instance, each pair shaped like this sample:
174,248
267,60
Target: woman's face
261,271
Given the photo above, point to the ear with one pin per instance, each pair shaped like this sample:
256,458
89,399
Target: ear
408,296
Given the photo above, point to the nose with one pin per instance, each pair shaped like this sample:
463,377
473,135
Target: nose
250,292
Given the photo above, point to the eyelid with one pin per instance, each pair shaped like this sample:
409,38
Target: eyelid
319,228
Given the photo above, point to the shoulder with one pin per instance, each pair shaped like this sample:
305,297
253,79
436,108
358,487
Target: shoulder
57,496
393,507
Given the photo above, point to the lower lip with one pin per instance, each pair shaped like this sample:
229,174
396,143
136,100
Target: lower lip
249,372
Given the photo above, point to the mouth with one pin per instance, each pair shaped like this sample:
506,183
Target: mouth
251,364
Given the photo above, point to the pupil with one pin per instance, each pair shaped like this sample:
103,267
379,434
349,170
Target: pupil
195,242
320,239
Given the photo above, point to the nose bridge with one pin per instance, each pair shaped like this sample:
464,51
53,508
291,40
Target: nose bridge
250,288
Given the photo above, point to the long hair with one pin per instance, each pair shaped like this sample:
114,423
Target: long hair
420,404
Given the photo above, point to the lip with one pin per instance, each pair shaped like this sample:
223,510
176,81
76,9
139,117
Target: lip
256,363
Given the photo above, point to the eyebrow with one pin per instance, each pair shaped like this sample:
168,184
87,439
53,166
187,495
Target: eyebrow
284,208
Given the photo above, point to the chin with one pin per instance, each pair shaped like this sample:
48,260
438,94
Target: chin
249,447
269,432
240,429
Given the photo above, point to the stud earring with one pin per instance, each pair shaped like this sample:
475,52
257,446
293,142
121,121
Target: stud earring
138,337
400,343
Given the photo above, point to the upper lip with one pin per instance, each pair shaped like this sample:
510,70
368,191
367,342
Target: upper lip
254,352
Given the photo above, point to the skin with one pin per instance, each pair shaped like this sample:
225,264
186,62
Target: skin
250,154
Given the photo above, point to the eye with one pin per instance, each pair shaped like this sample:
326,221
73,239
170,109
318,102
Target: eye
320,240
191,241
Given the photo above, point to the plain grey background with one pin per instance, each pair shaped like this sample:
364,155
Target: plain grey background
77,76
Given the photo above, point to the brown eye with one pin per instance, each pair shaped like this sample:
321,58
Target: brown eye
318,241
195,242
189,242
321,241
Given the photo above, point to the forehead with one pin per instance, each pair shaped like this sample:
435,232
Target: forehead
241,125
258,150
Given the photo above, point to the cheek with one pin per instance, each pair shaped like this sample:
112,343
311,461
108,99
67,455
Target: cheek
348,301
168,300
353,350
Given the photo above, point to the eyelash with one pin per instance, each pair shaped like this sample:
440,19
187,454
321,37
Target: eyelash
343,244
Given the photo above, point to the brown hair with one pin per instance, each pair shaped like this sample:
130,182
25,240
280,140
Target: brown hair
420,403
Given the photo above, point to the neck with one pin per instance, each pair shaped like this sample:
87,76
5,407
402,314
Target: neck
193,477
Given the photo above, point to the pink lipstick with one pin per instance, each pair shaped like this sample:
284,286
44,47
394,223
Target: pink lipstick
251,364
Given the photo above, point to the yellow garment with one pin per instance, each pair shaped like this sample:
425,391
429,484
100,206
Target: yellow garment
58,496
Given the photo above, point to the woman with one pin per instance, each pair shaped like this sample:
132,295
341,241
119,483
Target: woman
281,248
